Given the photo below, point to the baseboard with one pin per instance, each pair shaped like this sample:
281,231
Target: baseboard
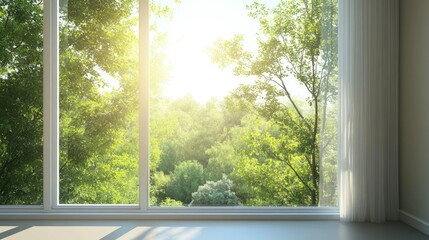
414,222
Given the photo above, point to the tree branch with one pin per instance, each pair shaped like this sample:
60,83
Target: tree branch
297,174
283,86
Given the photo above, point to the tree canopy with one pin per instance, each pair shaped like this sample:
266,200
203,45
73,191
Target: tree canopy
21,125
290,48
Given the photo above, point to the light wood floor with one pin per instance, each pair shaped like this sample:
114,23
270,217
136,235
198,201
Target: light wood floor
207,230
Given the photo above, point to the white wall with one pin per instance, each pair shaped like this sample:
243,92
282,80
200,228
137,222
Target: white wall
414,109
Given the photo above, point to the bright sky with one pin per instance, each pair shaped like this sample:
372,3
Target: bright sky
196,25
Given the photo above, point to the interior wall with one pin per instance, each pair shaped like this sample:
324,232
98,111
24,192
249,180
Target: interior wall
414,109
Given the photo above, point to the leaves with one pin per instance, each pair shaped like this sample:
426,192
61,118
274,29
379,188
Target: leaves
21,150
215,194
185,179
290,49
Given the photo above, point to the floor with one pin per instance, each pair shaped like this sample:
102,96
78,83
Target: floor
206,230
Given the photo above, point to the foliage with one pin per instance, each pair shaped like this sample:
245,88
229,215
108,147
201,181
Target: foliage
158,186
185,179
268,180
21,125
215,194
290,48
99,134
97,39
193,129
168,202
98,124
223,159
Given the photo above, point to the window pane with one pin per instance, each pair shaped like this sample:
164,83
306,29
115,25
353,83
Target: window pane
241,93
21,126
98,102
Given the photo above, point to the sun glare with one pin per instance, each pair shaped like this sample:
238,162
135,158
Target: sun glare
195,27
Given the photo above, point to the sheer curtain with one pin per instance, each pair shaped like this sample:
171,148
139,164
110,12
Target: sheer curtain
368,134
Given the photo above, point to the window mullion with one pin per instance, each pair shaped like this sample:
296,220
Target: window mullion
144,104
50,104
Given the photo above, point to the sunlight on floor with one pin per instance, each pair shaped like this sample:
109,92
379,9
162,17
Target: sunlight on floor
64,232
178,233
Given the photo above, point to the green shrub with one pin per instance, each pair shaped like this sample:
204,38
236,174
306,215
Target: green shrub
169,202
215,193
184,180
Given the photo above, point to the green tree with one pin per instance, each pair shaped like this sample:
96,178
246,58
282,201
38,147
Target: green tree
267,180
97,39
21,126
192,129
290,48
185,179
223,159
158,187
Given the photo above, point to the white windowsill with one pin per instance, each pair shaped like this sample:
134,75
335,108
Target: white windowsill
131,212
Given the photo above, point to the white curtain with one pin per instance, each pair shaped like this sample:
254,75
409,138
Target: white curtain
368,134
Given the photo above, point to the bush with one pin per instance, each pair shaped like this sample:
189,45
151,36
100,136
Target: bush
185,179
215,193
168,202
158,184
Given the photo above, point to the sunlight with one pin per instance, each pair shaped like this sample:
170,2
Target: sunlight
110,83
64,232
194,29
164,232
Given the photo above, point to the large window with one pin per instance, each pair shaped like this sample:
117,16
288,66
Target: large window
169,105
242,106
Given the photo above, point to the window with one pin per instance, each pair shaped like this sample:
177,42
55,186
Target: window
163,107
240,105
98,77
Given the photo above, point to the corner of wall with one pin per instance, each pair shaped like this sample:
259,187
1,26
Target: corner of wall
414,222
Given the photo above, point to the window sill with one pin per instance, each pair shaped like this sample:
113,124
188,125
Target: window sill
98,212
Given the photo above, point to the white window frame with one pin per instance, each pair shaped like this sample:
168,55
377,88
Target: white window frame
52,209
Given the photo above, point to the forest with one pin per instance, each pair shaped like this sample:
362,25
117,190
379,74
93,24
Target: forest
258,146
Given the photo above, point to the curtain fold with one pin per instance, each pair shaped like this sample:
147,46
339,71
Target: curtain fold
368,129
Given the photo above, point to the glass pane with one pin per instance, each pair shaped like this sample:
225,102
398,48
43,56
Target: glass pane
98,102
241,92
21,125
